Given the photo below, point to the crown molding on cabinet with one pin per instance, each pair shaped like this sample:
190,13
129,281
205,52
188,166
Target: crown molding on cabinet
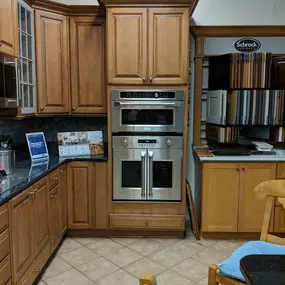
236,31
68,10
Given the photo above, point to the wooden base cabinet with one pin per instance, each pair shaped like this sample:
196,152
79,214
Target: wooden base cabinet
228,201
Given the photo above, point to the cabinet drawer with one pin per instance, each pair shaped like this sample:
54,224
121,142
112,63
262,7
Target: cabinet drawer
147,221
4,244
280,171
5,270
53,179
4,222
37,266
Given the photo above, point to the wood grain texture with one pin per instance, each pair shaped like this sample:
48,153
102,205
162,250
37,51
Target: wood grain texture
100,202
80,195
279,219
4,218
9,27
87,43
280,171
63,198
5,270
220,192
147,221
53,179
41,235
4,244
238,31
189,3
168,46
251,210
21,224
53,64
127,45
198,90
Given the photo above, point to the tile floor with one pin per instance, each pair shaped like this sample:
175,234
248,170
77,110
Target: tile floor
120,261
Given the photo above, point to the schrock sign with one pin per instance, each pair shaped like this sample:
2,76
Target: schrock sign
247,45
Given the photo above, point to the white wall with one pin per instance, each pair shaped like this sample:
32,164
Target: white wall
239,12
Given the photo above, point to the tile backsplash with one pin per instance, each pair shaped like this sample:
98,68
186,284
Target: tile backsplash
50,127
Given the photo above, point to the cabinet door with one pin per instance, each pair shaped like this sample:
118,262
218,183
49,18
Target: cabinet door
87,64
220,187
9,27
80,195
40,215
52,53
168,40
63,200
55,216
21,221
127,45
251,210
279,219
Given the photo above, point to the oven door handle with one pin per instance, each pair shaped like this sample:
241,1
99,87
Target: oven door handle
150,173
143,167
145,104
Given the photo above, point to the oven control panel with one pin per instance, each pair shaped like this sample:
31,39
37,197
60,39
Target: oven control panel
147,95
146,143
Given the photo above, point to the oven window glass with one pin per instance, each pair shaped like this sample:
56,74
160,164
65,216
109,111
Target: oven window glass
131,174
162,174
147,117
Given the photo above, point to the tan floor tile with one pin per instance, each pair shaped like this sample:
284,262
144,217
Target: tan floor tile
144,265
86,240
146,246
170,278
187,247
79,256
165,242
68,245
119,277
204,281
40,282
56,266
123,257
168,257
203,242
126,241
192,269
70,277
97,268
226,246
211,255
104,247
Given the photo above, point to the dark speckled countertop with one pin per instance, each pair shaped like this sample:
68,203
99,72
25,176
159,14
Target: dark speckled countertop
27,174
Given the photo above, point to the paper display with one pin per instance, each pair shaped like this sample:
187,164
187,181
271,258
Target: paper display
80,143
37,146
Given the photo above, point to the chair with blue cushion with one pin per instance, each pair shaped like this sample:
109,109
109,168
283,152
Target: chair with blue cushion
228,272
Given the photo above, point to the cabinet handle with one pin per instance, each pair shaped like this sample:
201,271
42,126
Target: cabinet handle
55,178
150,79
42,108
146,223
36,190
32,193
73,108
52,196
144,80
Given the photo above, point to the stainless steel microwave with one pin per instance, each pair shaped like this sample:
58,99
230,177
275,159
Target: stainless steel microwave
8,83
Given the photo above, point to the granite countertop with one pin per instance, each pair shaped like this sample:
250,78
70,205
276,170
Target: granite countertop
27,174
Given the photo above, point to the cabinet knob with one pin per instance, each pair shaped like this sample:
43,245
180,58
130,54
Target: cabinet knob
32,192
144,80
150,79
73,108
36,190
55,178
146,223
42,108
52,196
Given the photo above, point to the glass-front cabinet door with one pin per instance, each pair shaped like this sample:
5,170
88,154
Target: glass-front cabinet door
27,88
129,169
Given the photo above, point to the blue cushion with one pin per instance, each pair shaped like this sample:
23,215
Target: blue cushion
231,266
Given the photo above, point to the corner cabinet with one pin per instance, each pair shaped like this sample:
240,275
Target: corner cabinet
52,54
9,27
87,46
148,46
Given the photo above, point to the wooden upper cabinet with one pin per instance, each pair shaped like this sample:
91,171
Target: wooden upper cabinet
87,42
40,215
9,27
127,45
220,190
21,229
52,54
168,32
80,195
251,210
